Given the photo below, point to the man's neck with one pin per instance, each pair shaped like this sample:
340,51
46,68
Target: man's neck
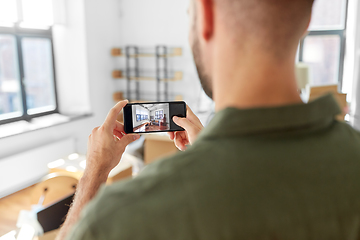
253,82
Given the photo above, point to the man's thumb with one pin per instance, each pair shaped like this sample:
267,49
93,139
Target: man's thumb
183,122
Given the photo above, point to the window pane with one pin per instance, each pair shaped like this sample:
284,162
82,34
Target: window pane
328,14
10,93
38,71
37,13
322,53
8,12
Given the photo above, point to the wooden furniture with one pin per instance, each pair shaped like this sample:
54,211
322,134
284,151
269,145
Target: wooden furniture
118,96
54,186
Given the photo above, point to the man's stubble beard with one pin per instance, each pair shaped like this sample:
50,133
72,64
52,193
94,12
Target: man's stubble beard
205,79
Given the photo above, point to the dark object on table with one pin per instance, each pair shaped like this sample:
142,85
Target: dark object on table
54,215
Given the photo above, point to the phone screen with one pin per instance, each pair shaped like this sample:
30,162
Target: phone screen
153,117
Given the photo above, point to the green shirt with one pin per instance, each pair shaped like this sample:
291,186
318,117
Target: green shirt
290,172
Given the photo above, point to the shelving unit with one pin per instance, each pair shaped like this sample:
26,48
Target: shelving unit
148,75
162,74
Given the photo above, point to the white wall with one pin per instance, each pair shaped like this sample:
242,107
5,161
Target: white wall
71,61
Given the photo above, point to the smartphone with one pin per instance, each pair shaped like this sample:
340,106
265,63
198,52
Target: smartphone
153,117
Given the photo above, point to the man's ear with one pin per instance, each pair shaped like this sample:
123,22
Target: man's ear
206,17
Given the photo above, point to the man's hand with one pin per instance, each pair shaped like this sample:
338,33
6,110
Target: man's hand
106,145
192,126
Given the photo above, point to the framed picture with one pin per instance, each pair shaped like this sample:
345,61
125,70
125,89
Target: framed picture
138,117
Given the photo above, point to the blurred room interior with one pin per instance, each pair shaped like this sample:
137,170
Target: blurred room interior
65,63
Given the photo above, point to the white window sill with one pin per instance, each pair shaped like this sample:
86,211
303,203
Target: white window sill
19,127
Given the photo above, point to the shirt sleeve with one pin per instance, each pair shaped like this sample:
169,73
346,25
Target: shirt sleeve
84,228
81,231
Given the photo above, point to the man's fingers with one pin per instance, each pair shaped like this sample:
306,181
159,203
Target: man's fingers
171,135
127,139
119,126
118,134
113,113
184,123
180,142
192,117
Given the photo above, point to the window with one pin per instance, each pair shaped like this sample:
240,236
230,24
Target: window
324,47
27,77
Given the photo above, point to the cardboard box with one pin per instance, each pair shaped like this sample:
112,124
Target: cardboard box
321,90
49,235
316,92
158,146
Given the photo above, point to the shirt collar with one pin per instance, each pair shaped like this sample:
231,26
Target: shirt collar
231,122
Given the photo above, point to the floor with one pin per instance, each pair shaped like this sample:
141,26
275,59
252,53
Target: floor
156,128
10,207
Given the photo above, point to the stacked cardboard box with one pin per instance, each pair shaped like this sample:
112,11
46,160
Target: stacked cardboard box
316,92
158,146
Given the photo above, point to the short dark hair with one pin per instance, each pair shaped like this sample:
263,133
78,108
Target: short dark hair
276,23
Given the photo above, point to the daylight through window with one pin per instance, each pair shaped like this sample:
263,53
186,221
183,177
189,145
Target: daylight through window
27,78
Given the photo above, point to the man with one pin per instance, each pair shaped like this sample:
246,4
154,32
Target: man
266,167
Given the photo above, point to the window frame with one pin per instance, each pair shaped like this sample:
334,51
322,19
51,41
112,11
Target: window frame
19,33
331,32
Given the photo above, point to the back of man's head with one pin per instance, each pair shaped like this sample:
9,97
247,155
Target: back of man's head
272,24
227,34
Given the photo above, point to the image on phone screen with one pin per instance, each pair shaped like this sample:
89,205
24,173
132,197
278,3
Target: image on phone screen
153,117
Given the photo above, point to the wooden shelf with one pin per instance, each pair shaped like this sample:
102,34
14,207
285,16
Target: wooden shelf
116,52
176,76
119,52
